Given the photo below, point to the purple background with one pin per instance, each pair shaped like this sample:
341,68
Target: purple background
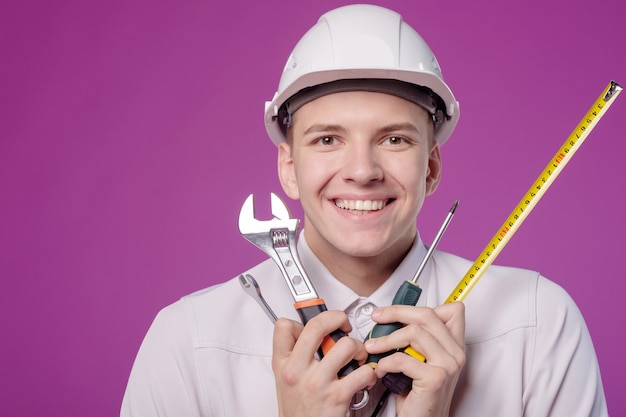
131,132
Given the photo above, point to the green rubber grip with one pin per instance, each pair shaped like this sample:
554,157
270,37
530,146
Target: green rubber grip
408,294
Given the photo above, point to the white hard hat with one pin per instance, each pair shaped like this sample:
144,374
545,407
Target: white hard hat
358,47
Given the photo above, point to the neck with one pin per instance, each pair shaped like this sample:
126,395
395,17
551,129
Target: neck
364,275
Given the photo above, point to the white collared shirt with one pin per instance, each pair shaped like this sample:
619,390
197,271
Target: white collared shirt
528,349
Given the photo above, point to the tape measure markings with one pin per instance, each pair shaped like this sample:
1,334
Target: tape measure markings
536,191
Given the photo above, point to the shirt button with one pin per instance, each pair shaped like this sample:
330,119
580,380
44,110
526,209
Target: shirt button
366,309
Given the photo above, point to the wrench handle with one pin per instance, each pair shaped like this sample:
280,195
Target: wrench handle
311,308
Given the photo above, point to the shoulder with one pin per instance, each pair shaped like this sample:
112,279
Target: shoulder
224,316
505,298
219,315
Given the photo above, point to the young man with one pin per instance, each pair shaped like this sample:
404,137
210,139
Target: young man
359,118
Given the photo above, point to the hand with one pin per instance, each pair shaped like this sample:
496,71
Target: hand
437,333
310,387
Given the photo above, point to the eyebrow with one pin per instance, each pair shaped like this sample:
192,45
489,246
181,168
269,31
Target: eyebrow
324,128
338,128
400,126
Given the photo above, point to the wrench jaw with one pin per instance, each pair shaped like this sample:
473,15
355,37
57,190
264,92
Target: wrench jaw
249,225
279,209
260,232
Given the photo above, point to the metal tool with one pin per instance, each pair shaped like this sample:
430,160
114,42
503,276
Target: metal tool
408,294
436,240
277,238
249,284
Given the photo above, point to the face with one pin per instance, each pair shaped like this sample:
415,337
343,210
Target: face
361,163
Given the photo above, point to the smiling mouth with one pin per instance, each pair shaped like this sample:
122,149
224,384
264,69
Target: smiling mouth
361,206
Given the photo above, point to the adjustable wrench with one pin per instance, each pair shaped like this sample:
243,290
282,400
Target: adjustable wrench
277,238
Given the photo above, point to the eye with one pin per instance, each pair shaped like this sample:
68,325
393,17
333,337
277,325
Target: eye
395,140
327,140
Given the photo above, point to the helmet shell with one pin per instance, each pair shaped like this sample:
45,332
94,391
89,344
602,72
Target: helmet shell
361,42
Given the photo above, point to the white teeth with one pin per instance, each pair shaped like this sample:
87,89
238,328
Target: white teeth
361,205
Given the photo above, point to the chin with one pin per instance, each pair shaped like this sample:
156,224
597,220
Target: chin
361,249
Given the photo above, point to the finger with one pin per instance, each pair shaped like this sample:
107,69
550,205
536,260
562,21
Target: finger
319,327
446,323
453,315
286,333
429,346
412,314
428,382
447,330
345,350
400,362
362,378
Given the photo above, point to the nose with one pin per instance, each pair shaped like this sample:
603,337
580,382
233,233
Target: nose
362,164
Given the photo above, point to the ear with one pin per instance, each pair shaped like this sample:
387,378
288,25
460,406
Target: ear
287,171
434,169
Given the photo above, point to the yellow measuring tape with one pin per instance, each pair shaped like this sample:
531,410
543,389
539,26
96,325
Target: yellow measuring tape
536,191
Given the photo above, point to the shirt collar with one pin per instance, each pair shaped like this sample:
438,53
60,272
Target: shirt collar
338,296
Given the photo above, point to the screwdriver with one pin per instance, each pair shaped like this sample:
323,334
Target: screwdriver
408,294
